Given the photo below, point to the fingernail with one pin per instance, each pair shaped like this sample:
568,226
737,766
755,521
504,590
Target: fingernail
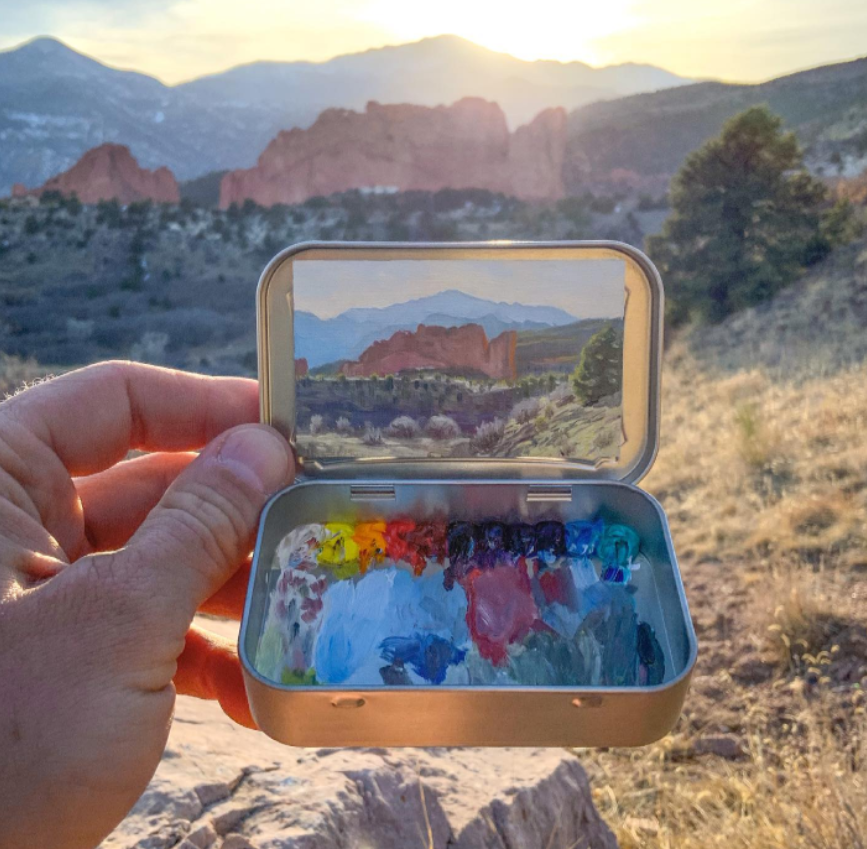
258,455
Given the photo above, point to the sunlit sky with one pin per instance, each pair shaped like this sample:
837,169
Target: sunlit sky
587,289
175,40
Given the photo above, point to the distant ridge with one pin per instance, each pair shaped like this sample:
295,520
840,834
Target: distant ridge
346,336
56,103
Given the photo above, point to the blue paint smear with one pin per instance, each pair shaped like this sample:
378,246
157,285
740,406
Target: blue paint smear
582,538
359,615
428,655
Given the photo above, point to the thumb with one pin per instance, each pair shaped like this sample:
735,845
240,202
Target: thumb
203,527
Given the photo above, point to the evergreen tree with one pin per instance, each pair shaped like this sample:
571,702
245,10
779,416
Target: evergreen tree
746,218
600,369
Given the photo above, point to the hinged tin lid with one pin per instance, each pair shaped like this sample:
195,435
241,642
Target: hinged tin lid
450,360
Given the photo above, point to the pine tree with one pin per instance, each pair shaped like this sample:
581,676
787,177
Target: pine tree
600,369
746,219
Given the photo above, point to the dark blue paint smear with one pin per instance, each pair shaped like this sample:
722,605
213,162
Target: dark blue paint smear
429,656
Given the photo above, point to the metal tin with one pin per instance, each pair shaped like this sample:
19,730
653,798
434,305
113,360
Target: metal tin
476,488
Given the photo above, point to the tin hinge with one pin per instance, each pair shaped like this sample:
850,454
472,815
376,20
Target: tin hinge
372,492
549,492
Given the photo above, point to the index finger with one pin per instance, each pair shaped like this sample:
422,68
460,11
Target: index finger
91,418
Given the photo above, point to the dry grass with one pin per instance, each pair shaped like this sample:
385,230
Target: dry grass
764,481
750,465
806,788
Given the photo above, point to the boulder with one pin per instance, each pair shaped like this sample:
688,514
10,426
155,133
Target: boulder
403,147
464,349
110,172
220,786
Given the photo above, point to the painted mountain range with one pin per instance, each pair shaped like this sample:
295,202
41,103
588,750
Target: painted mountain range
348,335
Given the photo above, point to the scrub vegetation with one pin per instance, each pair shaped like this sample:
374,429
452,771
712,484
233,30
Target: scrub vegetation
762,471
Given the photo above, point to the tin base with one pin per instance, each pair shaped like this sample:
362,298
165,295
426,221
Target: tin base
474,715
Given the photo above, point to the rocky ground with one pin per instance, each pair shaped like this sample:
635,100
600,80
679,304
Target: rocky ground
220,786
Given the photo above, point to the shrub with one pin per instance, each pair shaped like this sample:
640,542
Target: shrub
563,394
488,436
372,436
403,427
317,425
343,425
442,427
526,410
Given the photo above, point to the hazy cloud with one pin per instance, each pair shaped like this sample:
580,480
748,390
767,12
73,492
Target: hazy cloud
180,39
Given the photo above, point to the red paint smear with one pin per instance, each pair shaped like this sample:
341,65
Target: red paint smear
397,547
415,544
557,586
501,609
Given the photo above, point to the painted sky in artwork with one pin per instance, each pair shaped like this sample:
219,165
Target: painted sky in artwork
584,289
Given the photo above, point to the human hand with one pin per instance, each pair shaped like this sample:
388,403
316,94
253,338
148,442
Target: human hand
103,564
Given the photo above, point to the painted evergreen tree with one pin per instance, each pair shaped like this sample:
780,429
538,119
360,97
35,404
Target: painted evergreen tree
600,369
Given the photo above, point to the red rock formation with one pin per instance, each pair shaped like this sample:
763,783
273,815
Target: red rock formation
465,145
441,348
19,190
301,367
110,172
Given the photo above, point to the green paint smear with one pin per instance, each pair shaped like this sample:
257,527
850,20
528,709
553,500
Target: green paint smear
303,679
343,570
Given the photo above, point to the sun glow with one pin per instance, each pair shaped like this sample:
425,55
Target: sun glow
563,30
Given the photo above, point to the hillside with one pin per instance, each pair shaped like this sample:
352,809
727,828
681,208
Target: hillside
649,135
761,470
56,103
556,348
818,325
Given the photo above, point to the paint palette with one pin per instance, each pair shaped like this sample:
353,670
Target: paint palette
406,603
465,559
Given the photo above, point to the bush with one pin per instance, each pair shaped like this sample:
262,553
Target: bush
442,427
488,436
343,425
372,436
403,427
563,394
526,410
317,425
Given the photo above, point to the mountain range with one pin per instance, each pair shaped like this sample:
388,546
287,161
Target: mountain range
350,333
56,103
651,134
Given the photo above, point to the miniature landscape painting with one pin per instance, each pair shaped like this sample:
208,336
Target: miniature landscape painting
457,359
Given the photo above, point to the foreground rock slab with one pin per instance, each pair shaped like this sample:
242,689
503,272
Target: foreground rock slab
223,787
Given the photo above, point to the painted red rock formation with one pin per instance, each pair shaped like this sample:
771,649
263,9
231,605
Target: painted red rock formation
110,172
465,145
301,367
442,348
